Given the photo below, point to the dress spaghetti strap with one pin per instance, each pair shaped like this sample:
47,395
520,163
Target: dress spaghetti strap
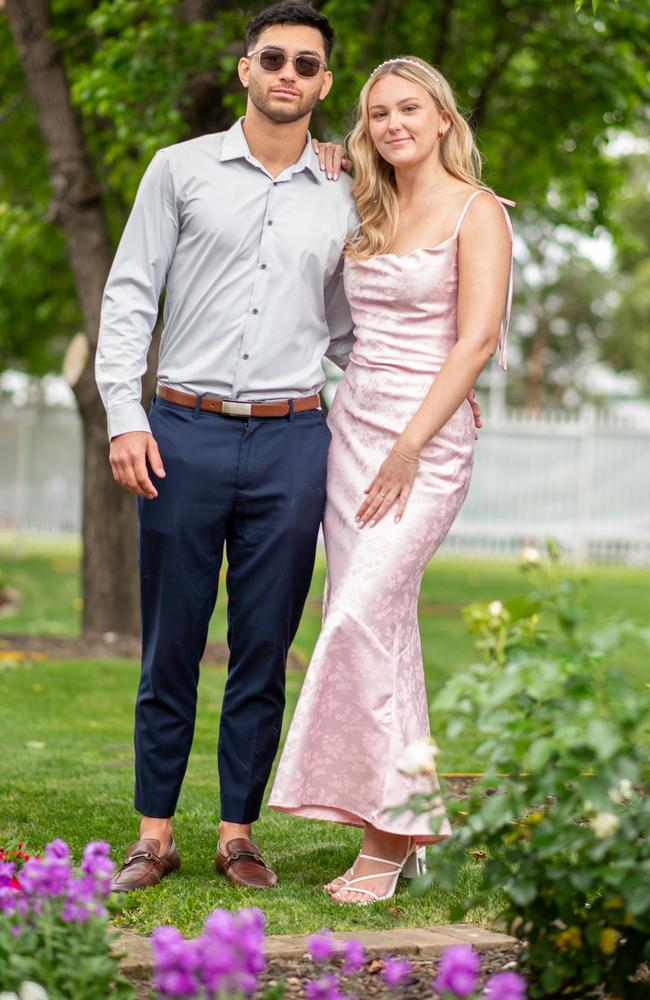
505,323
463,213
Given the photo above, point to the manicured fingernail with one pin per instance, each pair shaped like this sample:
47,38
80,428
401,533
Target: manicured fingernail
373,523
329,176
397,520
336,177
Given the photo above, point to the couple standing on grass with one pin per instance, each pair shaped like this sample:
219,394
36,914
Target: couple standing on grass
402,276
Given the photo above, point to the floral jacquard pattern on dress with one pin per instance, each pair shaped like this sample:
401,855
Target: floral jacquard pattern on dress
363,699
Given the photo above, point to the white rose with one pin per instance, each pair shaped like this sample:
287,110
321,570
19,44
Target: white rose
626,788
9,996
495,609
418,758
531,555
604,824
32,991
624,791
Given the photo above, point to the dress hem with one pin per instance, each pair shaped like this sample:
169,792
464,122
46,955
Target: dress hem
335,814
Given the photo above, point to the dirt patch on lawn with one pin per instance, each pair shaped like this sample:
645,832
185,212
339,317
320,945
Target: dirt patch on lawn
110,646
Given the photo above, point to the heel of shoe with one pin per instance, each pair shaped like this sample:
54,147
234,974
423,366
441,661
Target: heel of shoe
415,864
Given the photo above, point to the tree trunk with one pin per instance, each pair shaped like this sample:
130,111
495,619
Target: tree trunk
535,367
109,561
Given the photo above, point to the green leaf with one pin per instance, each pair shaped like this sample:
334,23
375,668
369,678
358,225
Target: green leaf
522,893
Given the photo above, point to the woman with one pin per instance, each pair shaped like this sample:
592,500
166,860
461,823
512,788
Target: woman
429,281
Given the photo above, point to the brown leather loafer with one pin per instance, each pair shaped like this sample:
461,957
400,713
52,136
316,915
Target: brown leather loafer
145,866
242,864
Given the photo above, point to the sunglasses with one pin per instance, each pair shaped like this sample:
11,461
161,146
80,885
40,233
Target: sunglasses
272,60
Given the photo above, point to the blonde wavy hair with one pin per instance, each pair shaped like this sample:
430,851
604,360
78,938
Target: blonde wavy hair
374,187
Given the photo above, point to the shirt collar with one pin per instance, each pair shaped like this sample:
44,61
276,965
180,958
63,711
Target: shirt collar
235,147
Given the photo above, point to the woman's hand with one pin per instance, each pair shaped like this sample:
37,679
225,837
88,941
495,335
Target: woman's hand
332,158
392,485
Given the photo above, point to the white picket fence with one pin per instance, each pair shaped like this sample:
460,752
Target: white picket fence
583,480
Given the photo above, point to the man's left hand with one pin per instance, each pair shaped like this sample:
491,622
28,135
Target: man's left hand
332,158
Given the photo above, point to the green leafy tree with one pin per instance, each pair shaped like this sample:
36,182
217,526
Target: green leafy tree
628,345
91,89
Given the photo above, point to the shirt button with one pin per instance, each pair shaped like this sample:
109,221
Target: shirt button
270,222
255,312
263,267
245,357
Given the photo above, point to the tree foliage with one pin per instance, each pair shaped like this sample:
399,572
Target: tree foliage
544,85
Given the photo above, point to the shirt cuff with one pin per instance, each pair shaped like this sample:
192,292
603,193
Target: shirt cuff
125,418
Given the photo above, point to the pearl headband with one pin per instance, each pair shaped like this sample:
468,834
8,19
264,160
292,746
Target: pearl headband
410,62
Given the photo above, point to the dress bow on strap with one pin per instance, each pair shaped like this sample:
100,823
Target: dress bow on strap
505,323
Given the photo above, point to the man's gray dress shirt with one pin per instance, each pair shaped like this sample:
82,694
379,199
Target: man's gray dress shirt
252,269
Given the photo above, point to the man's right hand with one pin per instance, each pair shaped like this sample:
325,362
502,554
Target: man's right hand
129,455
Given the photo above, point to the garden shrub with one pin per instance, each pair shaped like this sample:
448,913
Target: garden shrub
562,813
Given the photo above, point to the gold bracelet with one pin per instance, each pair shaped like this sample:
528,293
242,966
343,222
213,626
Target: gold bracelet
405,457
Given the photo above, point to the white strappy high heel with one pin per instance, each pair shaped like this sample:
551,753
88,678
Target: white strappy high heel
411,866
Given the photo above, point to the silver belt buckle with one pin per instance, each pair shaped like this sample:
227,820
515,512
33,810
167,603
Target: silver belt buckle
233,409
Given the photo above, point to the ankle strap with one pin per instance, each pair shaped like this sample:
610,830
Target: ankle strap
384,861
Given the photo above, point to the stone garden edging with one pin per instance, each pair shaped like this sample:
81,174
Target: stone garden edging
137,963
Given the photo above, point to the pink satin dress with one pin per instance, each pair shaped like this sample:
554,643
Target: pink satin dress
363,699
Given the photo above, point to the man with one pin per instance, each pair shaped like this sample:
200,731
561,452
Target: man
245,233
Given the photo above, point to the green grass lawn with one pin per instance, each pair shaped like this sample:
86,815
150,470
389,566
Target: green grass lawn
66,737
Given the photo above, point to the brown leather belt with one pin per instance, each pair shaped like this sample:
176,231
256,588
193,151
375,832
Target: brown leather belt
232,408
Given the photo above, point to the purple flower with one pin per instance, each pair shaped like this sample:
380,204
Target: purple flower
251,918
506,986
57,850
172,952
97,863
326,988
458,972
244,982
176,983
395,970
218,962
220,924
354,954
321,946
7,869
8,899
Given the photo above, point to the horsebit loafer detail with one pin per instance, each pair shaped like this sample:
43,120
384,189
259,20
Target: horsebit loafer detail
145,866
243,864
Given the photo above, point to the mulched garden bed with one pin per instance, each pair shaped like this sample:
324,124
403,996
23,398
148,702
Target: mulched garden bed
366,983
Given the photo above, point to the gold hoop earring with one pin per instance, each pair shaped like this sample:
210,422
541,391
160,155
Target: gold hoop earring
441,133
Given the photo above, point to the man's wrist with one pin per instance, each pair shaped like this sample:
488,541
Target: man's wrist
126,417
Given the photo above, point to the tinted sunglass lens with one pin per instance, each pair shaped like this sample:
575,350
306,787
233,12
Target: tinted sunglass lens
272,61
307,65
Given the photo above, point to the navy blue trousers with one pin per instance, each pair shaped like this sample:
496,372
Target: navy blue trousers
257,487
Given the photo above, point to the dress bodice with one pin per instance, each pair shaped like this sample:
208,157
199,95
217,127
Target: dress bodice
404,308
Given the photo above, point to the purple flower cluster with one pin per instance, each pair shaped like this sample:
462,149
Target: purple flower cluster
323,947
395,971
225,960
458,972
52,880
458,977
506,986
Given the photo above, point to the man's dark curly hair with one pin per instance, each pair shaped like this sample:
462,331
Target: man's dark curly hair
287,12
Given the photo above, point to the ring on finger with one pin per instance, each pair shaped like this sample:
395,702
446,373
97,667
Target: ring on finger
381,494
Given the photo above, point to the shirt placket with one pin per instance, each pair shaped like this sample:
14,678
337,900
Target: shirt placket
251,342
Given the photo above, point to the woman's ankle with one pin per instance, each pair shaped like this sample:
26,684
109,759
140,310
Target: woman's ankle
383,844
